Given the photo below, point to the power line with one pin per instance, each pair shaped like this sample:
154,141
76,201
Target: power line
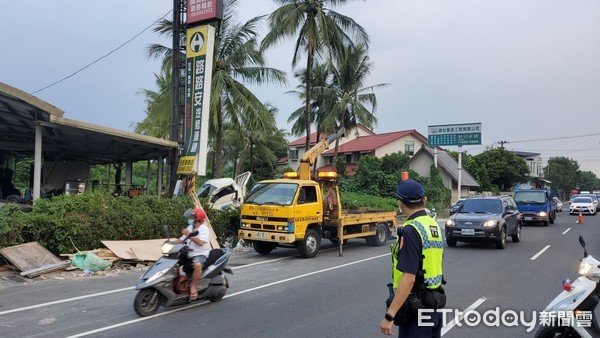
552,138
104,56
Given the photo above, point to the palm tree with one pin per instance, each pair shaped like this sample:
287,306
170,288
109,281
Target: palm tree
237,57
319,97
262,145
158,105
350,72
237,60
317,29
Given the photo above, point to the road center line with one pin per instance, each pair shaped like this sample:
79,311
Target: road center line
564,232
458,318
540,253
226,296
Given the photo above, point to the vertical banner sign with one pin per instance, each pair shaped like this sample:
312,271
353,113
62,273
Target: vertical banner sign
204,10
199,57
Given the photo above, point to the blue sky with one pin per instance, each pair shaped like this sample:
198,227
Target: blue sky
527,70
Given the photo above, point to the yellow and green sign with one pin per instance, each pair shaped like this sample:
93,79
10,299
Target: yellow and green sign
199,56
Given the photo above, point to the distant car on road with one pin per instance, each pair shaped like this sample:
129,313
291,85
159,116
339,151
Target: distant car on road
559,204
582,204
594,199
485,218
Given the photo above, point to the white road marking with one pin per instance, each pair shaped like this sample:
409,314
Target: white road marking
539,253
564,232
65,300
227,296
472,307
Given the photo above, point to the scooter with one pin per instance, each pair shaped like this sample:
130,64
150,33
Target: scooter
571,313
166,282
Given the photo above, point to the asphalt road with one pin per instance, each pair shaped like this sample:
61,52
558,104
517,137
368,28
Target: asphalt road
283,295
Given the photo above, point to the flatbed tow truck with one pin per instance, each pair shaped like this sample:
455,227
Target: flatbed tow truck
299,211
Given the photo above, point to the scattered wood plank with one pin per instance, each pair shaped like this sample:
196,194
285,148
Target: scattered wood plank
45,269
147,250
31,256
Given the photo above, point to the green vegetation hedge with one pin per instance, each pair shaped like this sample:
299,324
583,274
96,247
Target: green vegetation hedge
91,218
88,219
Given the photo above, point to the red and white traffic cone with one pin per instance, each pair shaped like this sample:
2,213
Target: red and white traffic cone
579,219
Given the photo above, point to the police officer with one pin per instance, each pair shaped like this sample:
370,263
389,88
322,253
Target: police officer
417,265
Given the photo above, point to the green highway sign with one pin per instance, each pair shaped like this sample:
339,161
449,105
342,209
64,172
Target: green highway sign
454,134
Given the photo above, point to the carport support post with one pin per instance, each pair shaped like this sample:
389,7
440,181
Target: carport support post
128,174
148,177
37,164
159,177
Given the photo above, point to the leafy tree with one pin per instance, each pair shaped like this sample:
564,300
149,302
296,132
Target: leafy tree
478,171
563,173
317,29
588,181
369,177
503,167
438,196
340,165
393,163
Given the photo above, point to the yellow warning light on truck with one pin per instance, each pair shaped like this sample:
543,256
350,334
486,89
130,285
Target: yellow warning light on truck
290,175
328,174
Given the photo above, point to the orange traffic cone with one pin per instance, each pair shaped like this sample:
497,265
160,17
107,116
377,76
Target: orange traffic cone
579,219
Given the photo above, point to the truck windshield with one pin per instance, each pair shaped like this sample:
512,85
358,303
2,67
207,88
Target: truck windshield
272,193
491,206
530,197
206,190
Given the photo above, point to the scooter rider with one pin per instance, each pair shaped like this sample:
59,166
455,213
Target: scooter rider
200,245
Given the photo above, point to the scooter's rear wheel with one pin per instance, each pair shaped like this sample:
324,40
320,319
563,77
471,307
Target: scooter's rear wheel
147,302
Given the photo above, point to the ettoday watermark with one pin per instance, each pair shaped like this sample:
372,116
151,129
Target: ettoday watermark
497,317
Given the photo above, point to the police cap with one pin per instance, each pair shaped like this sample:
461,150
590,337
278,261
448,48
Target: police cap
410,191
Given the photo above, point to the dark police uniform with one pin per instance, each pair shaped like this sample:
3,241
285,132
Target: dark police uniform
409,257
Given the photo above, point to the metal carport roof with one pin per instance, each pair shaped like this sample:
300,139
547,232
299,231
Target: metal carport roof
22,116
66,139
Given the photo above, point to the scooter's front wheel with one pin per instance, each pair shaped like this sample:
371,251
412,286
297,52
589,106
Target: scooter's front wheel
147,302
556,331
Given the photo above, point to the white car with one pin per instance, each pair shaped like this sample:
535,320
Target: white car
582,205
559,204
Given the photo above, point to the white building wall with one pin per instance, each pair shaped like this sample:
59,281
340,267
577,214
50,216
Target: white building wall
397,146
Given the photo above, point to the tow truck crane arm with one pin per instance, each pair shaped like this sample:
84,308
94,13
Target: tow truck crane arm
309,158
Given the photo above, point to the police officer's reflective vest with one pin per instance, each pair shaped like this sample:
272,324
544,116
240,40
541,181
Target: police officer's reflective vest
431,239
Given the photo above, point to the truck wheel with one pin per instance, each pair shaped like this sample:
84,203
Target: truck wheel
309,246
380,237
263,248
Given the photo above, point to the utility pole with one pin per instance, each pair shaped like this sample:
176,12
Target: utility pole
502,144
179,10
